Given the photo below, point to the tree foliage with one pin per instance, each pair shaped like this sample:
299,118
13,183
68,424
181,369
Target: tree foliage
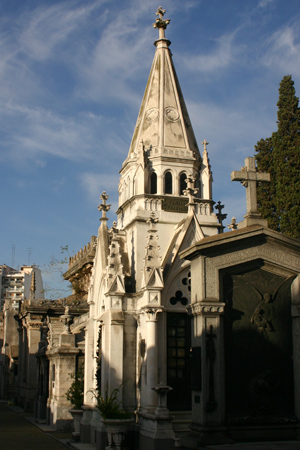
75,393
279,200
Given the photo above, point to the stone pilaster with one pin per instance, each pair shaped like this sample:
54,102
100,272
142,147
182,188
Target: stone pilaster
151,324
296,341
208,372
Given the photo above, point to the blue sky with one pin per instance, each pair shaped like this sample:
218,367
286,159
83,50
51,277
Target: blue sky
72,77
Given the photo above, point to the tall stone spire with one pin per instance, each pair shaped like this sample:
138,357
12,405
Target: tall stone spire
206,173
164,153
163,123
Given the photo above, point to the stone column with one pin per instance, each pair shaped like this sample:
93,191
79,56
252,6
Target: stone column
31,366
151,320
295,288
160,184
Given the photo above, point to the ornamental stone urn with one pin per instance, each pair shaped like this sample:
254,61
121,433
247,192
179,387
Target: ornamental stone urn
116,430
77,416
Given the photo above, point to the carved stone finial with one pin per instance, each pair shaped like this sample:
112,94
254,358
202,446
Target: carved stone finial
67,319
220,215
103,206
205,143
152,220
190,191
162,392
160,23
233,225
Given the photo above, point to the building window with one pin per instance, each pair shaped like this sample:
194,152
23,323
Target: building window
153,183
182,181
168,183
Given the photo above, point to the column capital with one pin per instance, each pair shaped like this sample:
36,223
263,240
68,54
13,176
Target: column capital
151,313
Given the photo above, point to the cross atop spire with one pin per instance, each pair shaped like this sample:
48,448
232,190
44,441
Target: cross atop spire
160,23
205,143
103,206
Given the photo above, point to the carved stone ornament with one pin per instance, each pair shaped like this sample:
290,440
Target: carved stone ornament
151,115
263,314
172,114
35,325
152,313
200,308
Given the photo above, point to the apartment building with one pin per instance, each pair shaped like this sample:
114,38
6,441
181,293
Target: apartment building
17,285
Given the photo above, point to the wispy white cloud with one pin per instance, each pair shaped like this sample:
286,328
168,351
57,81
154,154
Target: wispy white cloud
222,56
48,27
264,3
95,183
121,49
283,49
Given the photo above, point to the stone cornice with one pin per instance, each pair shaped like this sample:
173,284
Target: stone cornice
249,236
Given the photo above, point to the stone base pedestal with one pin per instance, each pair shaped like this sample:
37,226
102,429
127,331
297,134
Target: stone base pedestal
85,425
252,219
156,432
95,420
101,437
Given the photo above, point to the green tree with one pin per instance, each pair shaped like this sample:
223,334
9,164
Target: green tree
279,200
75,393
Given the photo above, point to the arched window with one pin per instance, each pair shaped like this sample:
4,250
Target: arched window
182,185
153,183
168,183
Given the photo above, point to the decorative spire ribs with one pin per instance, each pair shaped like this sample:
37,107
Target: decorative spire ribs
115,271
152,271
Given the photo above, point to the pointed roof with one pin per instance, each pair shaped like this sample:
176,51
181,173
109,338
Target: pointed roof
163,121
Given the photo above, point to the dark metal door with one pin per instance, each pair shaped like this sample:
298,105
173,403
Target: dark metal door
179,361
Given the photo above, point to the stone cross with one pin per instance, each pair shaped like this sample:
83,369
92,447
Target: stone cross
250,177
220,215
103,206
205,143
160,23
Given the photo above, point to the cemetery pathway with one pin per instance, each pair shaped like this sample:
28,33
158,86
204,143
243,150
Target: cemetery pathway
17,433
